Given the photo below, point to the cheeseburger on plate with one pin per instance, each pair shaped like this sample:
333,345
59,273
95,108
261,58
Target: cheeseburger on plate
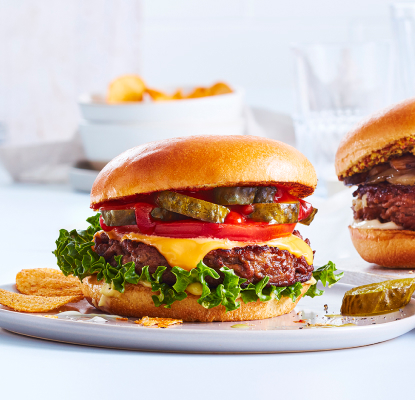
379,157
200,229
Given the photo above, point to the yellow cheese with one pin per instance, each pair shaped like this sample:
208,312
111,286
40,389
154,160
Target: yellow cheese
107,292
188,252
195,288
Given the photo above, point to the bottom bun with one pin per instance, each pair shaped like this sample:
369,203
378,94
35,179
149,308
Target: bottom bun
137,302
389,248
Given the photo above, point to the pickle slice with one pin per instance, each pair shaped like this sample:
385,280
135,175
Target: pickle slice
119,217
376,298
275,213
265,195
234,195
307,221
159,213
192,207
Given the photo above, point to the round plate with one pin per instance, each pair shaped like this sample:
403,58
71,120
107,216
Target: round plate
305,329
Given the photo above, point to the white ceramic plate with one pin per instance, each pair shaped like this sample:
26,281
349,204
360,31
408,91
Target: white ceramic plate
281,334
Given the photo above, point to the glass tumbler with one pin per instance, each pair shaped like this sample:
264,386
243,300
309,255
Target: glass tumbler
337,86
403,25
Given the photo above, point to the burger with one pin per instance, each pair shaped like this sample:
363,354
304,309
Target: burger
379,157
200,229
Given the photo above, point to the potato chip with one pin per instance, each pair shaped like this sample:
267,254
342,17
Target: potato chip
199,92
220,88
128,88
158,321
33,303
159,96
47,283
178,95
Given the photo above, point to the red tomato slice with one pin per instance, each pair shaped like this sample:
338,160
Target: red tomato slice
255,232
305,209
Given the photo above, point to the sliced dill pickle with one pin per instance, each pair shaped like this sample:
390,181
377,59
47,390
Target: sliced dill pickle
275,213
159,213
192,207
118,217
265,195
307,221
234,195
376,298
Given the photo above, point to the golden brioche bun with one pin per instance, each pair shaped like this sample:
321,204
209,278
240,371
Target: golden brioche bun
375,133
204,162
137,302
389,248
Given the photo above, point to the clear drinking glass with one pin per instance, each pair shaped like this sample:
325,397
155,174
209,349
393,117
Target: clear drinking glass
403,24
337,85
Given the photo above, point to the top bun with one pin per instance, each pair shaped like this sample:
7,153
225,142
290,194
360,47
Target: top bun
374,134
204,162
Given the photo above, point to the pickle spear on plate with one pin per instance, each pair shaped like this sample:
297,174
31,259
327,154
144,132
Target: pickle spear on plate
376,298
113,218
192,207
275,213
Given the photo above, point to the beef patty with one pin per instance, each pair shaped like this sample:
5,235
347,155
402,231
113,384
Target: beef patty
252,262
386,202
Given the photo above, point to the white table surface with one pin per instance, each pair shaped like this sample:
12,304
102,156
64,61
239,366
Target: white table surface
31,216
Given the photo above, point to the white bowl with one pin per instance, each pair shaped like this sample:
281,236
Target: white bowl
217,108
102,142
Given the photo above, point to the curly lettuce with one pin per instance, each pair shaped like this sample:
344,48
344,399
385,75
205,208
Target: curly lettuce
326,275
76,256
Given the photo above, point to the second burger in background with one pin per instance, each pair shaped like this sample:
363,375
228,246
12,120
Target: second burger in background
379,157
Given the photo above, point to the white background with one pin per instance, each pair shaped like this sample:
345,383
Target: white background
51,51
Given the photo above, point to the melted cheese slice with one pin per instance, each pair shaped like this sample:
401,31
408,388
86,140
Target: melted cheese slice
188,252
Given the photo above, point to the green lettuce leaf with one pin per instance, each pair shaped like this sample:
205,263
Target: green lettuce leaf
253,292
326,275
75,256
225,294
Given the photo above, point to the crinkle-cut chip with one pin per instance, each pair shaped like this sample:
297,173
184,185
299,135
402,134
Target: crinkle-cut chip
127,88
159,96
47,283
34,303
161,322
178,95
220,88
199,92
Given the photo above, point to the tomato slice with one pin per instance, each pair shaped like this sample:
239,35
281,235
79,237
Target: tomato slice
256,232
305,209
